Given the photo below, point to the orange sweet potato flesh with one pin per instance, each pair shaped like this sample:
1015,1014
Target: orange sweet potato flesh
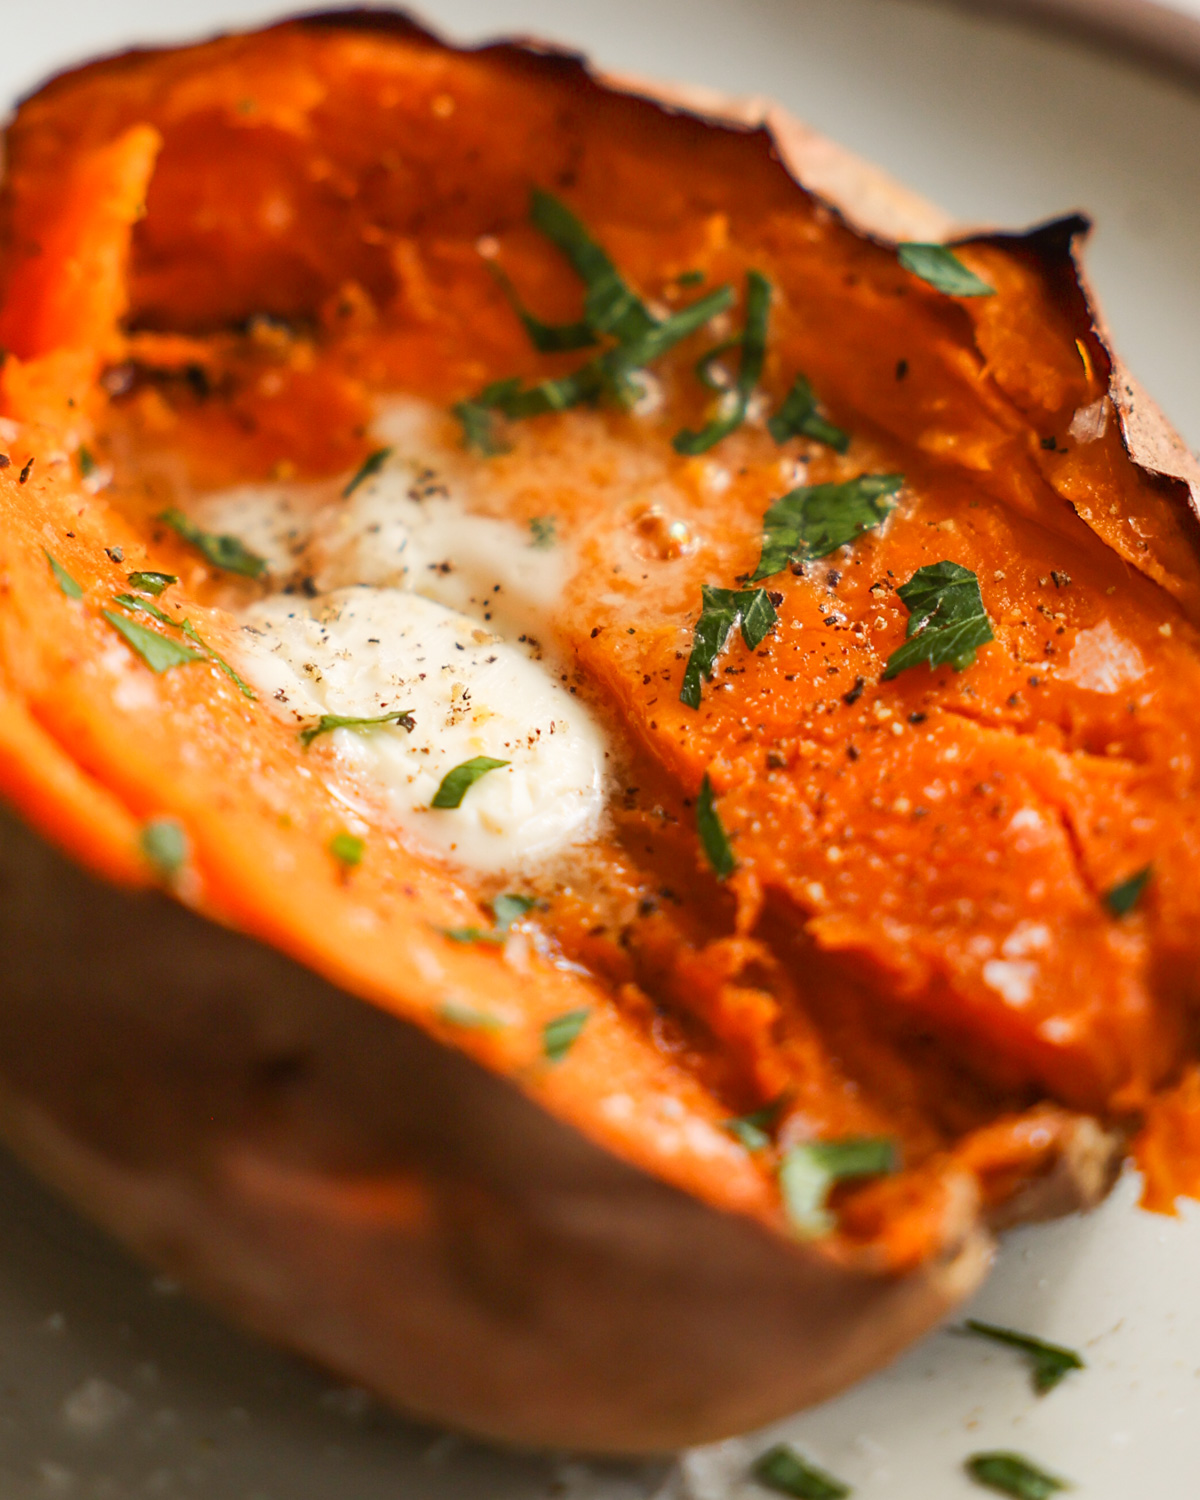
222,254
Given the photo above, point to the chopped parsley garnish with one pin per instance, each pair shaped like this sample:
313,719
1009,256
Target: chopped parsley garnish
816,519
610,305
546,338
947,621
943,270
479,429
223,551
561,1034
457,783
544,531
217,660
509,908
471,935
612,310
65,582
754,1130
165,845
690,278
371,466
87,464
131,601
752,341
347,848
329,722
159,652
506,909
151,583
783,1470
713,838
1011,1474
1049,1362
1124,897
799,416
720,611
809,1173
470,1019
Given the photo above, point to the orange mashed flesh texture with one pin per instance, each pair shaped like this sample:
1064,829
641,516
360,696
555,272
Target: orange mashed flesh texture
216,260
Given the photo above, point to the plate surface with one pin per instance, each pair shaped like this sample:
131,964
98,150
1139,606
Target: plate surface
113,1386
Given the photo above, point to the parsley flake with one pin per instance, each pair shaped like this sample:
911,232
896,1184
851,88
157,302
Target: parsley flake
752,341
1012,1474
471,935
371,465
713,838
223,551
546,338
159,652
544,530
942,270
560,1034
87,464
1049,1362
151,583
816,519
610,304
217,660
165,845
947,621
131,601
720,611
799,416
66,583
469,1019
1124,897
329,722
786,1472
509,908
457,783
479,429
808,1174
754,1130
347,848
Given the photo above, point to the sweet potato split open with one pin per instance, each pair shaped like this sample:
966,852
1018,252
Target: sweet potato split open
218,259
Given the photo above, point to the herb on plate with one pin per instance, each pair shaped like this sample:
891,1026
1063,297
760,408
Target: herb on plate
942,270
1124,897
220,549
151,583
370,466
66,583
713,838
469,1018
1049,1363
816,519
165,845
809,1173
947,621
787,1472
560,1034
348,849
327,723
754,1130
506,909
456,783
721,610
800,416
1012,1474
752,341
159,652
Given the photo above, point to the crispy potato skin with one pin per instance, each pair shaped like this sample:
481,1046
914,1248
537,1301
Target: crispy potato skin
573,1273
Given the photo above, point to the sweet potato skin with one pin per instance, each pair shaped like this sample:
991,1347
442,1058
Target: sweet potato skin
269,1229
349,1188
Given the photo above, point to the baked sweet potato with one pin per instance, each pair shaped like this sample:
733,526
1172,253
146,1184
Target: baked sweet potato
875,575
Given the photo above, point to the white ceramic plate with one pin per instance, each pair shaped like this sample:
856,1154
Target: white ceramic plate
112,1386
